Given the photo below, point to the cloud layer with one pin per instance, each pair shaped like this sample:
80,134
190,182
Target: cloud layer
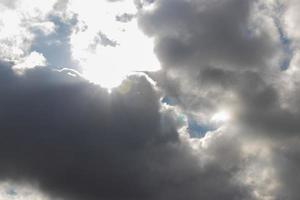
219,120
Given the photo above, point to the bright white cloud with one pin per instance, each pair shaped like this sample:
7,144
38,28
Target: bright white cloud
18,21
34,59
105,64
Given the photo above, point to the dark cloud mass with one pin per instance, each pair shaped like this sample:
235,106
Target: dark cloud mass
79,142
218,121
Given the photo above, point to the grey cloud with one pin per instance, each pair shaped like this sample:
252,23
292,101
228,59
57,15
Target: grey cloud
8,3
210,51
61,5
194,34
105,41
217,60
256,104
125,17
287,160
79,142
142,3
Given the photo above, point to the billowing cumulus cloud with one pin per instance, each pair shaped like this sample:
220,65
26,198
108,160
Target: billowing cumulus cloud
226,54
149,100
195,33
76,141
239,56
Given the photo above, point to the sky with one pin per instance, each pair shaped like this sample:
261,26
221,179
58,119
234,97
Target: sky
149,100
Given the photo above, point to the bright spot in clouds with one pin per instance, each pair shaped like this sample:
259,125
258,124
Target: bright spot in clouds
221,117
20,191
32,60
108,49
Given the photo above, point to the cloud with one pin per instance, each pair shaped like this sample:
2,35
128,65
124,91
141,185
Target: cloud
240,56
219,120
15,191
20,22
220,57
34,59
95,44
199,33
76,141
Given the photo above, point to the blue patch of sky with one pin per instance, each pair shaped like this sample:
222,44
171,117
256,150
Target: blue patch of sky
56,46
286,45
197,130
169,101
284,40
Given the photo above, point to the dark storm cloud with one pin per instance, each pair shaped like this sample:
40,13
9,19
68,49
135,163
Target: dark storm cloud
79,142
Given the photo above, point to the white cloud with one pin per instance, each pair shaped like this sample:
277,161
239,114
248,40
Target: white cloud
18,21
34,59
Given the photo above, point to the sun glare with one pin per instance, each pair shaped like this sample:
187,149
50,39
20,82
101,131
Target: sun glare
109,49
221,116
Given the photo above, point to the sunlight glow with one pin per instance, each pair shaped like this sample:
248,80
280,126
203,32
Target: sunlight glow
108,49
221,116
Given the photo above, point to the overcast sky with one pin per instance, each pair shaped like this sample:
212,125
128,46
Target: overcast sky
149,100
